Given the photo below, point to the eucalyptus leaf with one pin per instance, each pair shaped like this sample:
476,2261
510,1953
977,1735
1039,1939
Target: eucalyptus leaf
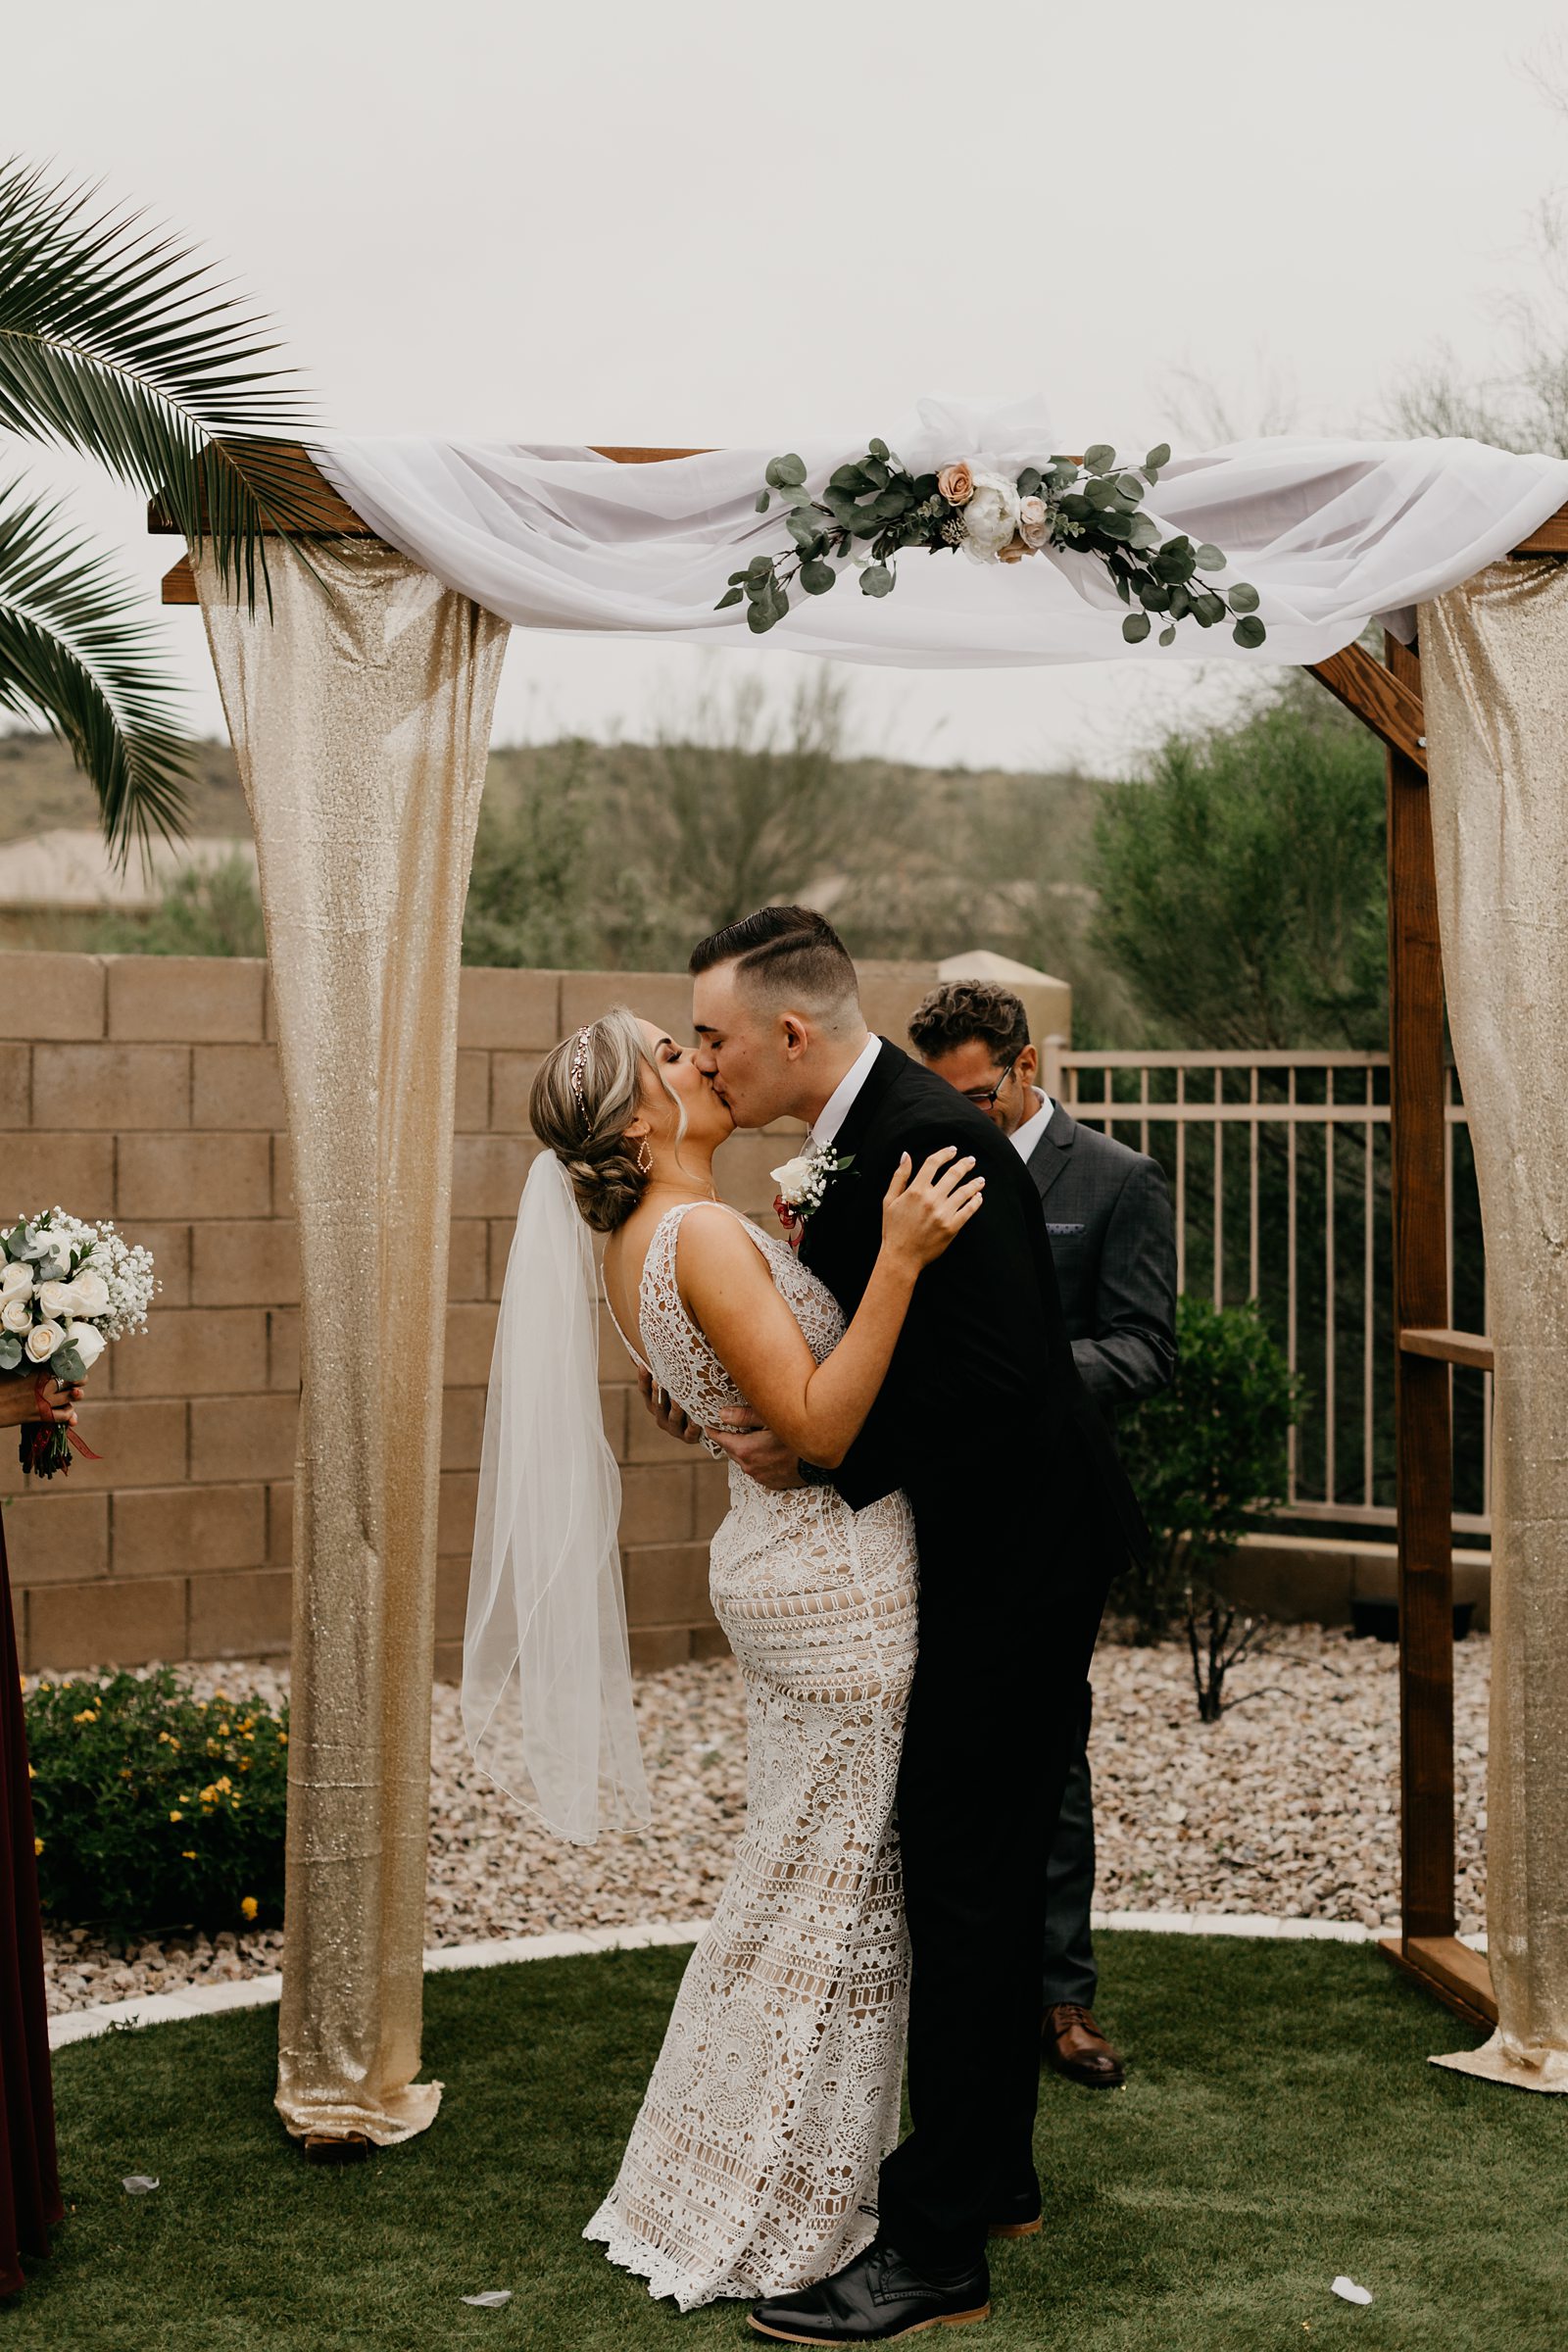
1029,483
1100,491
802,528
1167,636
1115,526
878,448
1136,628
1208,558
66,1363
1131,488
9,1352
731,596
1158,456
1249,631
849,479
1100,459
760,568
817,577
1243,597
876,580
876,473
1076,507
785,472
1153,597
763,501
759,618
1181,603
1146,531
736,577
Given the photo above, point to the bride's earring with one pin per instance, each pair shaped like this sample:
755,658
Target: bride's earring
645,1158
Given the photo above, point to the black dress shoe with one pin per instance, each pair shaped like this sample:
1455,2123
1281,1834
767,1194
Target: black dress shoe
876,2299
1018,2215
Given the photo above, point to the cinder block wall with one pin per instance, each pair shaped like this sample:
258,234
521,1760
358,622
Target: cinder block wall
146,1089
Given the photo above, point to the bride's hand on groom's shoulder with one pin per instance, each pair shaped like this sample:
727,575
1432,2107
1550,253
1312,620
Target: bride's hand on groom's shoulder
925,1209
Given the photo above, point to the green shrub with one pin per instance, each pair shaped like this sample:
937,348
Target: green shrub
1208,1458
155,1809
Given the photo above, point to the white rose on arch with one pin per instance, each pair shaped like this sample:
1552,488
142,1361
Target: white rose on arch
88,1343
42,1341
991,518
17,1313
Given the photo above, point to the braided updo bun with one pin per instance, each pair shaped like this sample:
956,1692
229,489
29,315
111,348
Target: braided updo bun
587,1092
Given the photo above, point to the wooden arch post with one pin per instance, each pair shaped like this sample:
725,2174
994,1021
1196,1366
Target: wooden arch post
1385,695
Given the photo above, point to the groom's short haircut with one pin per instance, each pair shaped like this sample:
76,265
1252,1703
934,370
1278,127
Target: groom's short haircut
788,955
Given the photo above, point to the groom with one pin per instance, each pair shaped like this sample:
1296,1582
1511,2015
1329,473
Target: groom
983,1380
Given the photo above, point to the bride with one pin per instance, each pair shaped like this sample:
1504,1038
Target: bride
752,2164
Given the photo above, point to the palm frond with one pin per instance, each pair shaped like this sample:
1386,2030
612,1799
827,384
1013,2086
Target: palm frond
116,342
73,655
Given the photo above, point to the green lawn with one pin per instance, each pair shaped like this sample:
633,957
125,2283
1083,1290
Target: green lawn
1280,2125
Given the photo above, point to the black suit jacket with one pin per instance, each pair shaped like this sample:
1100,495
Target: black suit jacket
1113,1244
981,1391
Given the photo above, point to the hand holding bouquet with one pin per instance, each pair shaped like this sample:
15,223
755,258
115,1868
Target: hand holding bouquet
67,1289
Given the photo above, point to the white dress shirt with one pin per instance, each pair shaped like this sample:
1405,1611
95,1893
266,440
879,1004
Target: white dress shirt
1025,1138
836,1109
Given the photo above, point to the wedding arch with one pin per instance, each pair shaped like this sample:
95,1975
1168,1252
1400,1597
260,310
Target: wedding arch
359,698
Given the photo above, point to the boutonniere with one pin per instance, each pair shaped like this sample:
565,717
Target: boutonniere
802,1185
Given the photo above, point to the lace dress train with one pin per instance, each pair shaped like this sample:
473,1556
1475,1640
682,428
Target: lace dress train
752,2168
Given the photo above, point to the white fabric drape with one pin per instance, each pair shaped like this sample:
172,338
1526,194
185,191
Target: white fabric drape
1330,533
1494,678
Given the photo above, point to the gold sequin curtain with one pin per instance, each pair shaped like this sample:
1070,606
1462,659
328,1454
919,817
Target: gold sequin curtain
1495,682
360,710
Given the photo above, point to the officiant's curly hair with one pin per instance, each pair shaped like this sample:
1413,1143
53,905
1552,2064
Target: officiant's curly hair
586,1092
789,954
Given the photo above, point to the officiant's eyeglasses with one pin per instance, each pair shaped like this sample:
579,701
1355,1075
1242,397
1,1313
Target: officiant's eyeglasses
984,1097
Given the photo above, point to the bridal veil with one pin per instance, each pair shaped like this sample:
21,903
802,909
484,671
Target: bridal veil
547,1695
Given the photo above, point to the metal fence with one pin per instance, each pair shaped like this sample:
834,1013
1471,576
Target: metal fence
1279,1169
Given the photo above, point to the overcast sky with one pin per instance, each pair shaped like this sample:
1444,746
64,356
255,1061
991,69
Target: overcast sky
704,222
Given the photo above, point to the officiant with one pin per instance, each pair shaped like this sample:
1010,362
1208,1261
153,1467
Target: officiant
1112,1241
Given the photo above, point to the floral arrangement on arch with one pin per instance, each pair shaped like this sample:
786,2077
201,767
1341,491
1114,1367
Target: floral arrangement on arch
67,1289
1092,506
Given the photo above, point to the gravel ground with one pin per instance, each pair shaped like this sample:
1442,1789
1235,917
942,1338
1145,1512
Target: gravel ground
1287,1806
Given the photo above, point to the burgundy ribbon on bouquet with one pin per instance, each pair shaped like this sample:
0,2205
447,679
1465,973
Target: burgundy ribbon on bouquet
47,1425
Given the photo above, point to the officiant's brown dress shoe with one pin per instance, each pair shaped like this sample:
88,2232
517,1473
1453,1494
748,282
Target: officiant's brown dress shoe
1074,2046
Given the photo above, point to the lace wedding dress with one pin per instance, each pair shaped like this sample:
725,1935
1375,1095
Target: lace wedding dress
752,2168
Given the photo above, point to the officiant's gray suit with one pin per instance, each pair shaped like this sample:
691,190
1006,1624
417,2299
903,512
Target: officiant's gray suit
1113,1244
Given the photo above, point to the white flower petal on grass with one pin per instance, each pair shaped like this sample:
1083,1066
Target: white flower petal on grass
1348,2292
491,2300
138,2184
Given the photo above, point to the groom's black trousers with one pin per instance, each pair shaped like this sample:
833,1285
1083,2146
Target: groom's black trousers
1009,1607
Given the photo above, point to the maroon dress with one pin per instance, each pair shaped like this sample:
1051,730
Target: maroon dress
29,2178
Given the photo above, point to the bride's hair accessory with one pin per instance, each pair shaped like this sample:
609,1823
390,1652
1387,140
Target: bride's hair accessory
547,1692
581,1105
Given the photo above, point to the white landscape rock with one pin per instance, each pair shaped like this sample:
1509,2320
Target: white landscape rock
1288,1807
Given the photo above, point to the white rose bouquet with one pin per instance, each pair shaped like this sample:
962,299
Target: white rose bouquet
67,1289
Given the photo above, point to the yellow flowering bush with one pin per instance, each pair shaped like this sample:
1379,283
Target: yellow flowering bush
154,1808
